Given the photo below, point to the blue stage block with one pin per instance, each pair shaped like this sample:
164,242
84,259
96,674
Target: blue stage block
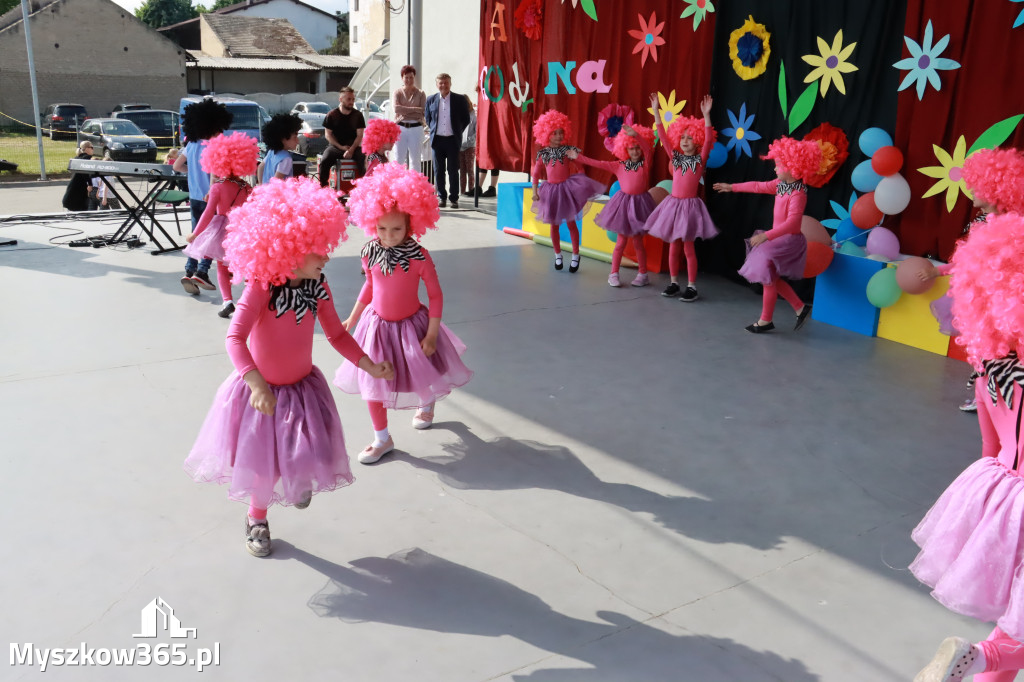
839,295
510,204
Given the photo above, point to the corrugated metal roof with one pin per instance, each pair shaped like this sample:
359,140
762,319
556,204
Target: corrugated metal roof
201,61
336,61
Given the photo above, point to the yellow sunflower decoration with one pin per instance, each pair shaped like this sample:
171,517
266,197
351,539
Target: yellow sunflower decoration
749,49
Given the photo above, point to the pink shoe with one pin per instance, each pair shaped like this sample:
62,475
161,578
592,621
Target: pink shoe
613,280
422,420
371,453
640,280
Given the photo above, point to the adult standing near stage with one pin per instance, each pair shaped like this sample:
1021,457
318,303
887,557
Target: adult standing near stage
343,128
76,196
447,115
409,103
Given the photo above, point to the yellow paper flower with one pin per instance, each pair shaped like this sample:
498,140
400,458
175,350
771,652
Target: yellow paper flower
949,174
749,49
831,63
668,109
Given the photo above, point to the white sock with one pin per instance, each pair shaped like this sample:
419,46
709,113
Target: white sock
575,258
227,302
380,437
429,409
691,284
979,662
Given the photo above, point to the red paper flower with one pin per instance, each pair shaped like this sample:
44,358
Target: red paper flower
648,38
530,18
610,121
834,151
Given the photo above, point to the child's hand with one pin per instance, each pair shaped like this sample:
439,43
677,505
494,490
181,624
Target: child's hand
926,275
628,129
572,154
347,323
429,345
189,238
654,102
722,187
705,105
263,400
382,370
758,239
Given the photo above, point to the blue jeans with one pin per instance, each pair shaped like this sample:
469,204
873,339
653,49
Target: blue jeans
191,264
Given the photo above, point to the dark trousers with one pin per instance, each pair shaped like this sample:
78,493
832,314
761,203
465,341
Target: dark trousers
446,161
196,208
332,155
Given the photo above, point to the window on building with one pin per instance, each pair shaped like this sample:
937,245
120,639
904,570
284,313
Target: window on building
355,5
355,34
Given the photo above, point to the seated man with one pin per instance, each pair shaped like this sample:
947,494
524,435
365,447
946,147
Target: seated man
343,128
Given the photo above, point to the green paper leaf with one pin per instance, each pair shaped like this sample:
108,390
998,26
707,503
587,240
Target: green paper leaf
803,105
995,135
783,95
588,7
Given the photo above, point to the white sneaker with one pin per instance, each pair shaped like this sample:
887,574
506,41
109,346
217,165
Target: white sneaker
422,420
257,537
613,280
951,662
640,280
371,453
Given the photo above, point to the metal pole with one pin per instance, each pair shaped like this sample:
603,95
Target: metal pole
416,35
35,91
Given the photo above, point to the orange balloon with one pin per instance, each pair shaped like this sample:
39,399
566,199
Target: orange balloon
658,194
819,257
865,214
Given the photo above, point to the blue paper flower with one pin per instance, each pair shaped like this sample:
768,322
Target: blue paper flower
841,213
1020,17
924,62
740,133
749,48
845,231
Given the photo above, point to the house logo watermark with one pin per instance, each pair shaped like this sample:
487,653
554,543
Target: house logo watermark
157,619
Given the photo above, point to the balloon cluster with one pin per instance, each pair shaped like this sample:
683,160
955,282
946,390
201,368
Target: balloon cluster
913,275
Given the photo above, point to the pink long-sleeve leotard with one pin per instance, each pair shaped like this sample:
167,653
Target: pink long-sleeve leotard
631,180
278,347
554,172
224,195
684,182
396,296
788,210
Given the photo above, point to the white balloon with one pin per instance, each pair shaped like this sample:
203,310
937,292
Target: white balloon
892,194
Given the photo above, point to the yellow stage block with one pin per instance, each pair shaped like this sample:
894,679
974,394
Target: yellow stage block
591,236
910,320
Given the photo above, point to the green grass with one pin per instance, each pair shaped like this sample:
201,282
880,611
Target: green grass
21,148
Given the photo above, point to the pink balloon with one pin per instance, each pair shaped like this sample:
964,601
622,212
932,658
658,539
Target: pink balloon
914,275
814,231
882,242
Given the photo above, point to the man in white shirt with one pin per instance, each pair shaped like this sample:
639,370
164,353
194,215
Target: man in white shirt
447,115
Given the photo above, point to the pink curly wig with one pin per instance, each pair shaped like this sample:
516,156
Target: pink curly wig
802,158
988,276
393,187
230,156
622,142
549,122
379,133
270,235
997,177
688,125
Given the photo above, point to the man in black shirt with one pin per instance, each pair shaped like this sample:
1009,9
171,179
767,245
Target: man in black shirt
344,130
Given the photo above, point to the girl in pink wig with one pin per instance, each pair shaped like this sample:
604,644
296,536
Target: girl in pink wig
273,434
681,218
972,539
564,193
229,158
781,251
627,211
379,138
396,206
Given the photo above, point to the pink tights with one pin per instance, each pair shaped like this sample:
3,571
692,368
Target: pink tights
675,258
620,247
224,280
778,287
574,235
1004,656
378,415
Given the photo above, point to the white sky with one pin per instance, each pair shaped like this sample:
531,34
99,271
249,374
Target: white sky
331,6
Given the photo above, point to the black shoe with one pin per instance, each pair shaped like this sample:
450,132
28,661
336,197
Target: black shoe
558,261
226,310
689,295
671,290
189,286
489,192
802,317
443,203
202,279
760,328
455,204
574,264
469,193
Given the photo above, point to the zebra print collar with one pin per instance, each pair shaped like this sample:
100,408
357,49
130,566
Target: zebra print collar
976,220
685,162
387,257
378,157
790,187
301,299
632,165
549,155
1003,375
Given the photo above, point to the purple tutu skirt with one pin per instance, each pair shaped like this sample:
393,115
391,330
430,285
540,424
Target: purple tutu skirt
782,257
276,458
942,309
210,242
685,219
419,380
558,201
626,214
971,546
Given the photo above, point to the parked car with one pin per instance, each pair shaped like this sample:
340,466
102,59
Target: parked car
62,120
121,138
247,116
159,124
311,108
312,140
131,106
374,110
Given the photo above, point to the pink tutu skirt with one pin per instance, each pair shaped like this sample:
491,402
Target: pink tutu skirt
972,549
942,309
782,257
419,380
210,242
272,459
558,201
626,214
685,219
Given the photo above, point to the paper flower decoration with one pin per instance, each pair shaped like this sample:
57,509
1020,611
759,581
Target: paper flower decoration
699,10
749,49
668,109
610,121
831,64
740,133
949,174
1020,17
588,7
835,149
648,38
924,62
530,18
841,213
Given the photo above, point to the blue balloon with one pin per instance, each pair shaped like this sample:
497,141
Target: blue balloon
864,178
850,249
848,233
873,139
615,188
718,155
